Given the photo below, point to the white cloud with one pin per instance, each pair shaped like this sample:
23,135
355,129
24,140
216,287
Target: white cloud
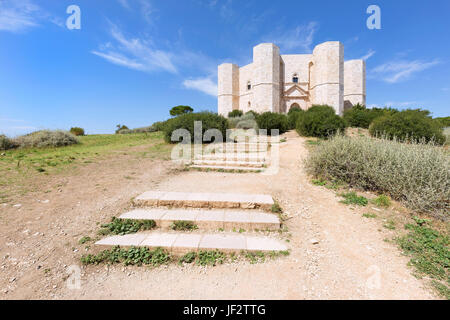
396,71
298,39
124,3
368,55
205,85
135,53
394,104
19,16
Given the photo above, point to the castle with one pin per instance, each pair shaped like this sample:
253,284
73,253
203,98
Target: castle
277,83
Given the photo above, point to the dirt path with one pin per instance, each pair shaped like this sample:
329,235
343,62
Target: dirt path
351,260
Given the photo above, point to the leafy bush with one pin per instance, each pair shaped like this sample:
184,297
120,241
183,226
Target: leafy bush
209,120
416,174
293,115
47,138
254,113
121,127
271,121
408,125
358,116
235,113
247,121
77,131
7,143
320,121
179,110
443,122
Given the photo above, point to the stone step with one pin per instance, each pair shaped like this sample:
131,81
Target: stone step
238,147
208,219
255,157
205,200
229,163
180,243
225,168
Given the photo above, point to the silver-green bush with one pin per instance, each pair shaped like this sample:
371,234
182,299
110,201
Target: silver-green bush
47,138
7,143
416,174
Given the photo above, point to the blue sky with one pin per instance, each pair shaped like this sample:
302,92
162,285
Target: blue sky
132,60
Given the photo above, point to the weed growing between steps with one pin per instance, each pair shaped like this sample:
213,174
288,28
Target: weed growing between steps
212,258
223,170
429,252
133,256
126,226
183,226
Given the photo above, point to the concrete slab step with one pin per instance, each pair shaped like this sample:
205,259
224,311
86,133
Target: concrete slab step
251,157
227,168
205,200
229,163
208,219
181,243
238,147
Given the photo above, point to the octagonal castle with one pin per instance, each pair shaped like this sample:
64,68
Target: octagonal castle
277,83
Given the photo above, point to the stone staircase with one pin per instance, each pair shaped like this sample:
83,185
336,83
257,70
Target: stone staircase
217,215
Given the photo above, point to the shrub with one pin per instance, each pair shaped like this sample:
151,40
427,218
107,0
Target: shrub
320,121
443,122
7,143
247,121
235,113
77,131
254,113
47,138
271,120
408,125
358,116
209,120
293,115
179,110
416,174
120,128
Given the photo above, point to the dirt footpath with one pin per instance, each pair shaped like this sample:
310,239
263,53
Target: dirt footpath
349,260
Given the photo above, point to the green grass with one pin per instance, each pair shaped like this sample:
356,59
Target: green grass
429,252
353,198
319,182
369,215
19,167
390,224
382,201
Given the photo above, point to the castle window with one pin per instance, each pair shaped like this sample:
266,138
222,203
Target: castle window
295,78
249,85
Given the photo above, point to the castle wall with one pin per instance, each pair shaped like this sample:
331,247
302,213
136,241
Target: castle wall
266,89
354,83
228,88
246,100
328,84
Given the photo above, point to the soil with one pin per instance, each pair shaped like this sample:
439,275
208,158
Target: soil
335,252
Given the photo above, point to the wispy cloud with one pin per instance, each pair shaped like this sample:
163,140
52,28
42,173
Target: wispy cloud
19,16
205,85
135,53
396,71
298,39
401,104
368,55
124,3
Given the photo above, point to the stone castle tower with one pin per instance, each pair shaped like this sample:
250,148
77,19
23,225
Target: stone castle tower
277,83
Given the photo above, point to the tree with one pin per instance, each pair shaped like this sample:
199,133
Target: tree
179,110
